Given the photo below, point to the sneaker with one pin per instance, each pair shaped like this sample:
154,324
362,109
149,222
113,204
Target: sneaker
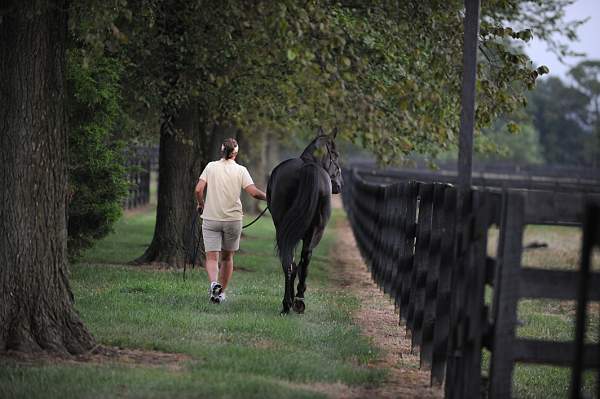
215,290
219,298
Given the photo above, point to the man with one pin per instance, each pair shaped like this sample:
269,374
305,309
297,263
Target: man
222,214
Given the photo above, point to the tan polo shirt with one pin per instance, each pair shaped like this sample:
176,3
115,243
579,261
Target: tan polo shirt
225,180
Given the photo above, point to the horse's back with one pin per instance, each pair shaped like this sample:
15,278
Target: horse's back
282,187
285,186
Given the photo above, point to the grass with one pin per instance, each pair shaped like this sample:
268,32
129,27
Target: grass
240,349
546,319
259,353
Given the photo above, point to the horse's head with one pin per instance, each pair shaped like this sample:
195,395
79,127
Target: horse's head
322,150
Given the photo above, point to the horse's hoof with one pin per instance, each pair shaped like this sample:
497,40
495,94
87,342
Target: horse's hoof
298,305
284,312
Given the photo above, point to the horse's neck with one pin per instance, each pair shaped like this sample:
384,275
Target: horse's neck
308,155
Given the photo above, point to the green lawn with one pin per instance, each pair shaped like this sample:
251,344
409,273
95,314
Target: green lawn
242,348
546,319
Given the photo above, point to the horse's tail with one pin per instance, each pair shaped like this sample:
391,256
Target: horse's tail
298,218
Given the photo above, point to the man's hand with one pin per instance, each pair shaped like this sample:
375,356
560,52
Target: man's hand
255,192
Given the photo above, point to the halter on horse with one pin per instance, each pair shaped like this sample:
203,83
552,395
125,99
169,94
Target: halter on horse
299,198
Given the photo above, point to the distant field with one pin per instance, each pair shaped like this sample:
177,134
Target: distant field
550,319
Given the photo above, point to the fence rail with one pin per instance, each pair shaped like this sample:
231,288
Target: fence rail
429,253
140,162
584,183
554,201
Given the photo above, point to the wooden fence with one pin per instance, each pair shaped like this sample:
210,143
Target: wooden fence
431,258
550,200
140,162
580,183
498,170
514,282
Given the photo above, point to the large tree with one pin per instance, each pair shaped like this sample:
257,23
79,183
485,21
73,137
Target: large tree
36,303
587,78
559,114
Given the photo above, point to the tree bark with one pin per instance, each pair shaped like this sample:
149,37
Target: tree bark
180,163
36,303
253,155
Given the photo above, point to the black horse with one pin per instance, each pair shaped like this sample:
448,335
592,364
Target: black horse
299,198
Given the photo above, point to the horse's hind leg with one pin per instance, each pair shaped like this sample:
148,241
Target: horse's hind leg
298,304
289,273
309,243
307,249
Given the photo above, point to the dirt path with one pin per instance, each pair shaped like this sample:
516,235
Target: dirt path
103,355
378,320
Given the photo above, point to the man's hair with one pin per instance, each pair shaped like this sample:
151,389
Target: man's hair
228,148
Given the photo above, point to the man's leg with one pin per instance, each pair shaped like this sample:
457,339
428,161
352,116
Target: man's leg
231,243
212,265
226,267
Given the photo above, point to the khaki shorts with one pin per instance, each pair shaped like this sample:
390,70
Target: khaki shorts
219,235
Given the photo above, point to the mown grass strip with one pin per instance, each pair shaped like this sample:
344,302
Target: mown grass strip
242,348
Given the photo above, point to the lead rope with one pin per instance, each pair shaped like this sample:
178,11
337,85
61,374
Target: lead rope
192,250
255,220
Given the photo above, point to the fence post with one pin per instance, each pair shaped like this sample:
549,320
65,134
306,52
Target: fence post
397,248
591,238
420,262
442,312
506,298
475,295
409,245
467,114
428,320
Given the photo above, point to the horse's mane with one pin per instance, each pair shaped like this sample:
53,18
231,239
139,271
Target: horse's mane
308,153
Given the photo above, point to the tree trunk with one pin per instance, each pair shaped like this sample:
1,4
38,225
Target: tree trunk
36,303
273,152
253,155
180,163
218,134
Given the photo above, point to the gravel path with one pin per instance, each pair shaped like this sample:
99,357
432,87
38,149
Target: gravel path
378,320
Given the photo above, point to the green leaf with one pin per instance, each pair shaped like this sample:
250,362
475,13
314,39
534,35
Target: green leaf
543,69
513,128
291,54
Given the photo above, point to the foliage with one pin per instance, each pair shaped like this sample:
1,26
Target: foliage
544,19
587,79
96,173
502,142
559,114
387,74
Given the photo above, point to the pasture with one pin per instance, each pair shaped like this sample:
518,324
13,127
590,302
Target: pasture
548,319
174,343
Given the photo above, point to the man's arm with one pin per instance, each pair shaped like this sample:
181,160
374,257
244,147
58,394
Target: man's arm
200,187
255,192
